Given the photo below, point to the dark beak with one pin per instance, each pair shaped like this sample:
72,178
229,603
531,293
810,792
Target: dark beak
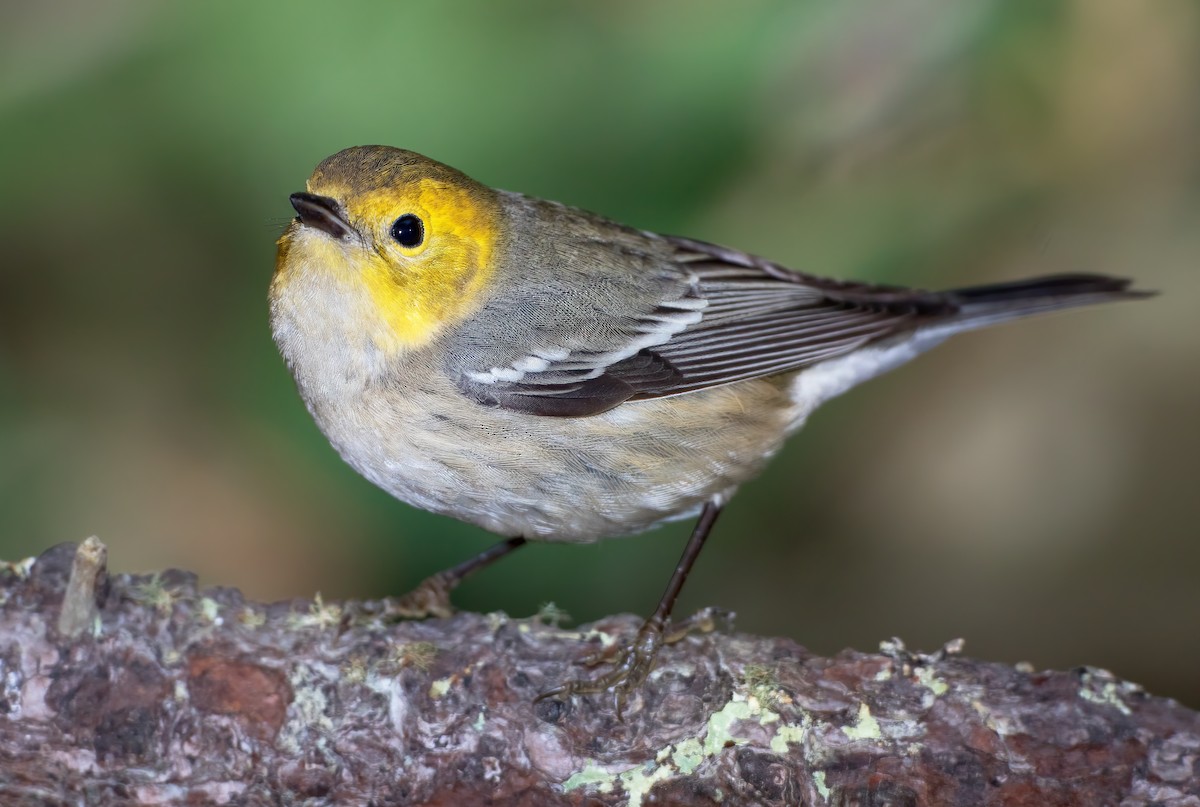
321,212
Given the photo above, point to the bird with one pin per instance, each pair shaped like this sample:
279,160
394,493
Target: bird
549,374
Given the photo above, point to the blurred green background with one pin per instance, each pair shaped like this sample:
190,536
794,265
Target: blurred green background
1032,488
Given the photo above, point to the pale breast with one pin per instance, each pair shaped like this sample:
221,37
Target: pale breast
557,479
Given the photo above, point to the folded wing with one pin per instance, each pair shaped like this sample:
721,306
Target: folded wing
718,316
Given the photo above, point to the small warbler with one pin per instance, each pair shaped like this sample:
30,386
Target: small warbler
548,374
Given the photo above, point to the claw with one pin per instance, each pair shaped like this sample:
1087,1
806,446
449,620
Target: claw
706,620
630,668
633,663
431,598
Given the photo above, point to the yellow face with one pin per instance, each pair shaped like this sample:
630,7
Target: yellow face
419,237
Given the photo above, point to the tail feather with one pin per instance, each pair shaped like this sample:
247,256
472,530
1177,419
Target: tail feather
1048,285
998,302
948,313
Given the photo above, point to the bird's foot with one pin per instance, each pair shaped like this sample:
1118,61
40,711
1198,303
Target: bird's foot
431,598
632,663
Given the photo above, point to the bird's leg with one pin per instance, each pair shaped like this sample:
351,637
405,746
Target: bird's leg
633,663
431,597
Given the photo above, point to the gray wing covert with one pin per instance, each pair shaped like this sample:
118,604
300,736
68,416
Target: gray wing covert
540,346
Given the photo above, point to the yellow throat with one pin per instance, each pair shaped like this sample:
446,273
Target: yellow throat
414,291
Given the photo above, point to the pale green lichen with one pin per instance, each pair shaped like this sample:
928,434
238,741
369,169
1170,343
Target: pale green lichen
865,728
720,723
687,755
789,734
440,687
591,774
638,781
819,783
153,593
319,616
1108,694
927,678
210,610
480,722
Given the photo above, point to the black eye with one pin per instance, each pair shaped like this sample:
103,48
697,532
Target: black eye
408,230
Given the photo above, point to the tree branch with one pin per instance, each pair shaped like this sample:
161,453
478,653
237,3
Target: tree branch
146,690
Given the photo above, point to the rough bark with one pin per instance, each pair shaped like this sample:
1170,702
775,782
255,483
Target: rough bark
146,690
